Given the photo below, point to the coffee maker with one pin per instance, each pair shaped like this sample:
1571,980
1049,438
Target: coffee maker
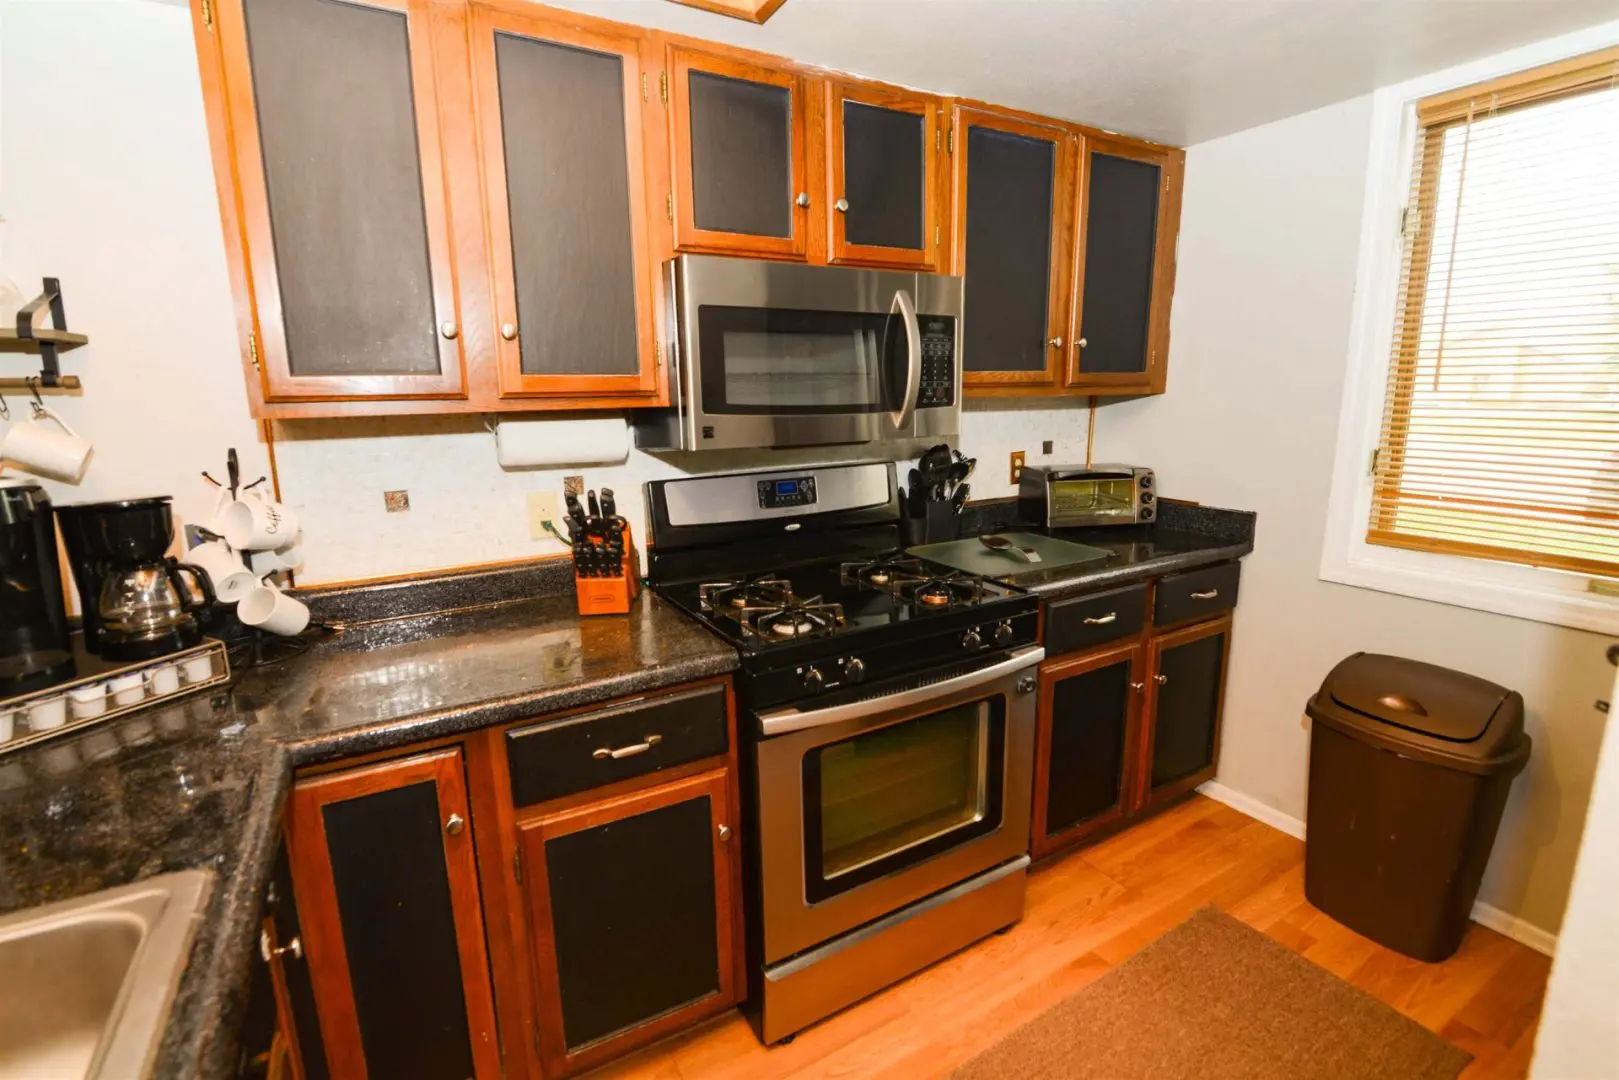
135,598
34,651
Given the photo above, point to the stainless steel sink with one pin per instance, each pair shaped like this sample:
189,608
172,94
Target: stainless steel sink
86,984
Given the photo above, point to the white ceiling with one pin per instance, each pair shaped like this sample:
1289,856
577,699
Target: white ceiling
1182,71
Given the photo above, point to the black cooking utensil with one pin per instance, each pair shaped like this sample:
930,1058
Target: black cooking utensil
959,499
233,469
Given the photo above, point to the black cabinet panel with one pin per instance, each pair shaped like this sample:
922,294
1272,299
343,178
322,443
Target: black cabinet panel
1188,708
884,176
633,912
1121,236
741,155
568,192
1090,715
393,897
1010,183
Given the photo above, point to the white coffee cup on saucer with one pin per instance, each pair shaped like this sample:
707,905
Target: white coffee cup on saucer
45,445
231,578
255,522
268,608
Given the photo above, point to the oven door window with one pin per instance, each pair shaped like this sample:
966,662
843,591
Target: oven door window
897,795
775,362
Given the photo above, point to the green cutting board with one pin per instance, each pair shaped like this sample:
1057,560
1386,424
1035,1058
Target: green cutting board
972,556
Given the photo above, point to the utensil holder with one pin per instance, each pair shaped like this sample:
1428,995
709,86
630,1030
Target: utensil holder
939,521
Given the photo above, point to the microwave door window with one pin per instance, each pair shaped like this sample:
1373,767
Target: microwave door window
771,362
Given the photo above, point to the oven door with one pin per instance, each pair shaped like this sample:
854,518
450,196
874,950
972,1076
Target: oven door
868,806
774,354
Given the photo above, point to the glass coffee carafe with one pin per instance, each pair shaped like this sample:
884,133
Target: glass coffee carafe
151,603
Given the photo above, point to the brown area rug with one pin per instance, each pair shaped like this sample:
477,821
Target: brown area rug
1217,1000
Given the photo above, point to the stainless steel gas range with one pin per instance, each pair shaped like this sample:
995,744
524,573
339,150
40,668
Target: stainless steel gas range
888,726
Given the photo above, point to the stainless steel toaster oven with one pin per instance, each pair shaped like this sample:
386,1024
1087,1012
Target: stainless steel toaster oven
1067,496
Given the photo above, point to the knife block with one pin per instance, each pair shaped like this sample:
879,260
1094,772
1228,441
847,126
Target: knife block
611,595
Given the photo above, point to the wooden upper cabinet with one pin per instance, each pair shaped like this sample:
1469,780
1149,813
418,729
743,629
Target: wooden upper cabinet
1128,206
1011,193
885,185
344,231
559,113
739,155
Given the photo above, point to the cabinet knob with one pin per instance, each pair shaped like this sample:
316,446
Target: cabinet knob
1055,343
803,199
1138,687
1079,343
725,833
841,206
293,948
448,328
508,330
1160,678
454,824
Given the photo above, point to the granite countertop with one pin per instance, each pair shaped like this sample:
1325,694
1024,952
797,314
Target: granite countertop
1184,537
200,783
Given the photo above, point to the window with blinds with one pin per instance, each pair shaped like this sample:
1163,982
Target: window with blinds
1500,430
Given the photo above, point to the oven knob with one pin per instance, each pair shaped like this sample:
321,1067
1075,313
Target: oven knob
813,679
1003,634
970,640
854,669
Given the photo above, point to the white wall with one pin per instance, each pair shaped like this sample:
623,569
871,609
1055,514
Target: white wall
1579,1025
106,180
1259,337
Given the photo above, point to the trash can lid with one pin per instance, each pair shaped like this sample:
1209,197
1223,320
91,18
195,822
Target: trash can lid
1431,706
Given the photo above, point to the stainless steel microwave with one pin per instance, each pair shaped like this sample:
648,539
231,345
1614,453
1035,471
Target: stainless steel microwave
772,354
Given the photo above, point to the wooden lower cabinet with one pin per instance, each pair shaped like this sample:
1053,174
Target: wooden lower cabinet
1125,729
630,908
391,920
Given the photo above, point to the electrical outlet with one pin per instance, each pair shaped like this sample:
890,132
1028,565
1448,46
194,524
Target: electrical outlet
542,507
1017,465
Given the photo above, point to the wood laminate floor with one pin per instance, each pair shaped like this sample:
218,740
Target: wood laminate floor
1089,911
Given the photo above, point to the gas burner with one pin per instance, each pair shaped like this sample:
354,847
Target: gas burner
882,574
942,591
739,596
797,619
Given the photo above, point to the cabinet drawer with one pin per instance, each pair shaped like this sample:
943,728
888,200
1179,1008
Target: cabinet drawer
561,757
1090,620
1196,594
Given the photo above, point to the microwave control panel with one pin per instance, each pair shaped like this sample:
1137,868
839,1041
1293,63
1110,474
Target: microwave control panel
938,361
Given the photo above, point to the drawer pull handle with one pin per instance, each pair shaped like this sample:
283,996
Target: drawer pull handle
604,753
1208,595
1102,620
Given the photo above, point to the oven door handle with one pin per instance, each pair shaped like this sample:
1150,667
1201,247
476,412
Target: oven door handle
781,721
906,309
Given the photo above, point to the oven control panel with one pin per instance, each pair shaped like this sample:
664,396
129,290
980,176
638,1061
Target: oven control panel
780,492
938,361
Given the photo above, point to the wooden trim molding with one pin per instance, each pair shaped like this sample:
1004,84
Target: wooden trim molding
753,11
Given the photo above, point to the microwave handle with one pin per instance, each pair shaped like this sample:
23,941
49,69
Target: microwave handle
906,309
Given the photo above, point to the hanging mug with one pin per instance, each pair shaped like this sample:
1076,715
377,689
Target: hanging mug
35,446
256,523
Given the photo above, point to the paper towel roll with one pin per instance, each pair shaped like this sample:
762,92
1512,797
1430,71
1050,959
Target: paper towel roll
529,443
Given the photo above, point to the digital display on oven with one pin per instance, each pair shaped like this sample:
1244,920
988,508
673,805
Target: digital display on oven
796,491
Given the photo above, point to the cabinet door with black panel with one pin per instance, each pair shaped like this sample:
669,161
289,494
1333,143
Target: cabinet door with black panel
1087,743
335,197
1186,694
281,973
1010,198
392,926
884,153
559,116
739,146
631,917
1124,266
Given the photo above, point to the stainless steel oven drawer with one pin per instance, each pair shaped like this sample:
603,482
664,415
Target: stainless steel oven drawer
586,750
1195,594
1091,620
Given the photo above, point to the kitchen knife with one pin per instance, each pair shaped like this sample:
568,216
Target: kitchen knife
575,511
609,504
595,507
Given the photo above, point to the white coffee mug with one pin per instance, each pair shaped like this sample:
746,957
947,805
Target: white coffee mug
231,579
268,608
37,447
48,714
256,523
274,561
198,669
88,701
165,679
129,689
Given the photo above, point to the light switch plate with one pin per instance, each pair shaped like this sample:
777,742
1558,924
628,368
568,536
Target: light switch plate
542,507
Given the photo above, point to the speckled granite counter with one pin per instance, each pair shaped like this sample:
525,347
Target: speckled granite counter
1185,536
201,783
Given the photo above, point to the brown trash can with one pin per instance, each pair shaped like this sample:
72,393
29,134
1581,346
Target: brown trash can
1409,770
